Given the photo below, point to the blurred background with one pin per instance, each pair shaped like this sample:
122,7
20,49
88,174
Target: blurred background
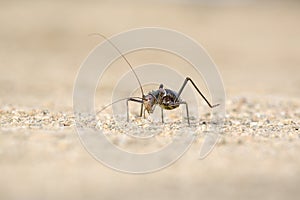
255,44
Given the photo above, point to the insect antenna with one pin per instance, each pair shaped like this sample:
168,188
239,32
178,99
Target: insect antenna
106,106
98,34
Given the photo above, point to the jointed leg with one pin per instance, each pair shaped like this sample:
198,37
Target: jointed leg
142,106
162,115
187,111
127,107
195,86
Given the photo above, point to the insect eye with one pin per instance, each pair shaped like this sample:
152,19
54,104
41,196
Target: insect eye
148,98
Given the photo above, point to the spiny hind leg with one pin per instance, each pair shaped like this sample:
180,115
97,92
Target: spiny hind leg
187,79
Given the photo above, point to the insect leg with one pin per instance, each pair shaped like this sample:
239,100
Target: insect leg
187,111
162,115
127,107
195,86
141,113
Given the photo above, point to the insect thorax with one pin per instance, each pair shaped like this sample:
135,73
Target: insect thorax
166,98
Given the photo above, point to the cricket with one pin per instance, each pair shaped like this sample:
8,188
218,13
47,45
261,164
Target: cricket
167,99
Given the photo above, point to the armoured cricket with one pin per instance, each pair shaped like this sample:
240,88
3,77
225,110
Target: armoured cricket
166,98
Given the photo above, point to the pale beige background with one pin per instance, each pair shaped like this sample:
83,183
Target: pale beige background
255,44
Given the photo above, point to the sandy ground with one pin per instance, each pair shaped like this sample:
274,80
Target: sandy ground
256,47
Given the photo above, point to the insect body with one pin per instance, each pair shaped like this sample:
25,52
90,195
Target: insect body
167,99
